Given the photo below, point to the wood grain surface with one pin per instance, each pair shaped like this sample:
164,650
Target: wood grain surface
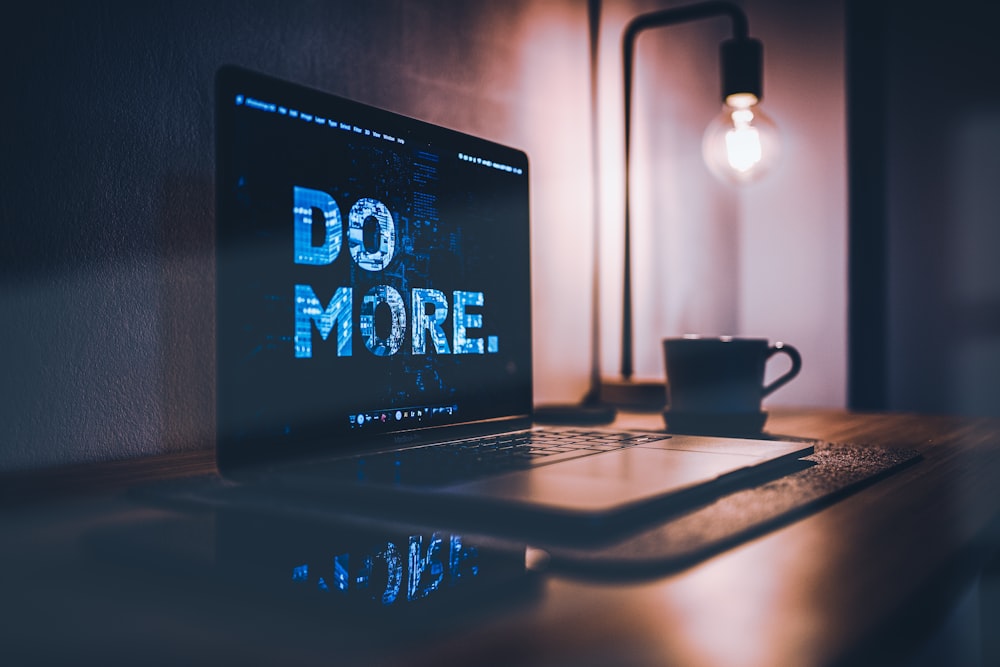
874,578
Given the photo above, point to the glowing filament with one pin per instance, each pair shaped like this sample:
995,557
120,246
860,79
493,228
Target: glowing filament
743,149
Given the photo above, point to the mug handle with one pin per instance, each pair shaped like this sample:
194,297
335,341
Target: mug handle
796,359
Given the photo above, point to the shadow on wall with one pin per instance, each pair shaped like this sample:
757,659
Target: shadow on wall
943,165
186,312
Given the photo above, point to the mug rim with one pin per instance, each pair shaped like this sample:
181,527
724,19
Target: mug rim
716,339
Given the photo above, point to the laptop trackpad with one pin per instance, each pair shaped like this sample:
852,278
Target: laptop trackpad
607,482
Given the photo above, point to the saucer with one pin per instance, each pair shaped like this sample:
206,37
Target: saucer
710,423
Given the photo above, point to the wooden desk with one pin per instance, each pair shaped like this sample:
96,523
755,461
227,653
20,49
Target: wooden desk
871,579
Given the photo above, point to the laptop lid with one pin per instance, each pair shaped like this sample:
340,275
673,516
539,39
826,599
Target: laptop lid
372,275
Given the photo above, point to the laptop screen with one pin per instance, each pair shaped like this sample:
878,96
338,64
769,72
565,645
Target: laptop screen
372,273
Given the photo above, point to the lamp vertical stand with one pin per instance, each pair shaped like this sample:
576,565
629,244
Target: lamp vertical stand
741,67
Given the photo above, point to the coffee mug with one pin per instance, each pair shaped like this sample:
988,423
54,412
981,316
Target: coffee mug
722,375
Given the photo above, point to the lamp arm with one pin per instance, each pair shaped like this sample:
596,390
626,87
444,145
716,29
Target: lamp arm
640,23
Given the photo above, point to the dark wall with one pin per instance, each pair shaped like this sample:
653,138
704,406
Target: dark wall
106,213
925,165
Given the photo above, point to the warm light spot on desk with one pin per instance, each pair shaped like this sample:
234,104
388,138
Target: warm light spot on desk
713,614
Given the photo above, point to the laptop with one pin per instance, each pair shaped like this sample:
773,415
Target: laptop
374,330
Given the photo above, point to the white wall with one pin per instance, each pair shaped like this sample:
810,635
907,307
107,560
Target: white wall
794,226
768,260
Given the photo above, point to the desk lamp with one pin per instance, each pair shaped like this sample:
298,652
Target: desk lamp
739,146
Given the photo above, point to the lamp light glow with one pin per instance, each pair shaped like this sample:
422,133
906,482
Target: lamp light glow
741,144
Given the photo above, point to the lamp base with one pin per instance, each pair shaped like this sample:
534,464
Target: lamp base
634,395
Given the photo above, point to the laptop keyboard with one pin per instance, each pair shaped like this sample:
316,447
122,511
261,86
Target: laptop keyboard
465,460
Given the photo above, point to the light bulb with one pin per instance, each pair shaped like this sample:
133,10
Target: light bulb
740,144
